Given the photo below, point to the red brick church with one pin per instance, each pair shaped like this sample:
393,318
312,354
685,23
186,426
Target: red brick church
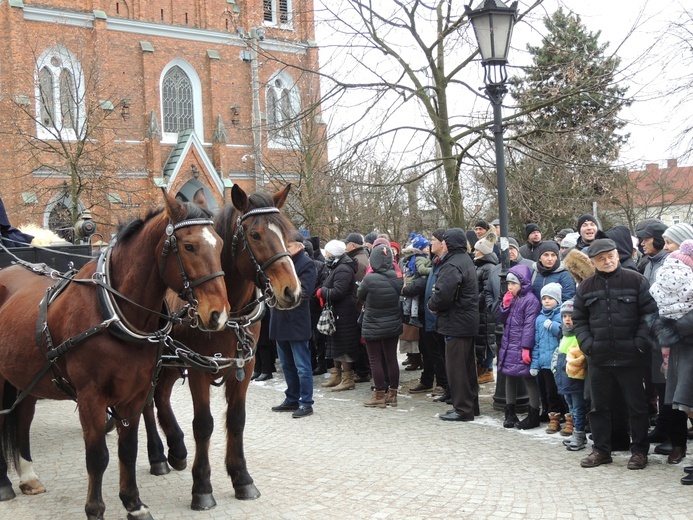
110,100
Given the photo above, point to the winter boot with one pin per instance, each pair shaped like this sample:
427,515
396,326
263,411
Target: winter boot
335,378
347,382
391,399
511,418
378,400
531,421
568,426
554,423
416,363
579,441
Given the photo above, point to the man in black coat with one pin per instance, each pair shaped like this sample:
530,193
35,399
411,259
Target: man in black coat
610,312
455,299
292,331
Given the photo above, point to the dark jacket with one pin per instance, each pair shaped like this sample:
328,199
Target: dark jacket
379,293
361,257
455,296
417,289
486,338
339,290
518,320
529,251
610,313
295,324
678,335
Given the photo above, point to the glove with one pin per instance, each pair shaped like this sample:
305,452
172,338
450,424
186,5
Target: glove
320,298
547,324
533,372
507,299
526,356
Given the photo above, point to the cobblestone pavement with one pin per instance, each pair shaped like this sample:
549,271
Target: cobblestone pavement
348,461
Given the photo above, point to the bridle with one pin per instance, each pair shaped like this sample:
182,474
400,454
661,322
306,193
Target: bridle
171,245
262,281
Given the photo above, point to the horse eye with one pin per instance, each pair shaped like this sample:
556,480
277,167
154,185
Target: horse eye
190,248
255,235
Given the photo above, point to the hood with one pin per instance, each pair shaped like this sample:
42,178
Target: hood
624,243
524,274
456,240
381,259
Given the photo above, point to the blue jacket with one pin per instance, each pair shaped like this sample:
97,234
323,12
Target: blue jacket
431,323
294,324
559,276
546,340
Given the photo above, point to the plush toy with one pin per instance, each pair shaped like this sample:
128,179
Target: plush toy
576,365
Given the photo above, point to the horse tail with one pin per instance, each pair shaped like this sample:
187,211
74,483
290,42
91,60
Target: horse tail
8,436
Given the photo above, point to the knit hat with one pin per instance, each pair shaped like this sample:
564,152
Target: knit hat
395,247
547,245
586,217
381,242
570,240
684,253
439,234
482,224
485,245
513,243
512,278
679,232
370,238
530,228
335,247
495,223
552,290
419,241
567,307
564,232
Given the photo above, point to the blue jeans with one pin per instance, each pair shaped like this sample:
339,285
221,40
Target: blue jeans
298,372
576,406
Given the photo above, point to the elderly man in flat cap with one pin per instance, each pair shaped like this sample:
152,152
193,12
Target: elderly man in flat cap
610,313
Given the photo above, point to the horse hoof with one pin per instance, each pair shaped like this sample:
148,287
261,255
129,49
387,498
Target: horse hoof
6,493
33,487
176,463
159,468
247,492
202,502
142,514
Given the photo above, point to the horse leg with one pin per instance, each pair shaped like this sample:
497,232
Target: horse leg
155,448
235,424
94,431
7,441
127,455
29,483
177,452
203,426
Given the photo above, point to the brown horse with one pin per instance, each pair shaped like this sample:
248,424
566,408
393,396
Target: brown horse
254,260
118,302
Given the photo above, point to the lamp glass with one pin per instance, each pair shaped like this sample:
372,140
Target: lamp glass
493,29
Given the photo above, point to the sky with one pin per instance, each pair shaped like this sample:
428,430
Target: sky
634,29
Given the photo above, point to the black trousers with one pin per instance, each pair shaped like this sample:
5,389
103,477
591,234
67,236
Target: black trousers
432,346
604,381
460,361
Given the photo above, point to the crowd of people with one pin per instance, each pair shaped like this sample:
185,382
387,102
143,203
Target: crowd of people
595,325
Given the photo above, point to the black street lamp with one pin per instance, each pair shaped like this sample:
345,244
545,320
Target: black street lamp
493,24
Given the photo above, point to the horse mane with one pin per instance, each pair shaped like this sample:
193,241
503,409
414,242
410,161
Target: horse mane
225,222
130,228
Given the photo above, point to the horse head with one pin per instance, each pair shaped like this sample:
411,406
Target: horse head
190,262
255,236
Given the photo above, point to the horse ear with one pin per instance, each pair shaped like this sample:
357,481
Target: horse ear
200,198
175,209
280,196
239,198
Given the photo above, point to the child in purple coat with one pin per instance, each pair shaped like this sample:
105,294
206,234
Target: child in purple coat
518,312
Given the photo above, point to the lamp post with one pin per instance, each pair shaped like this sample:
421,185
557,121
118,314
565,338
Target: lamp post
493,24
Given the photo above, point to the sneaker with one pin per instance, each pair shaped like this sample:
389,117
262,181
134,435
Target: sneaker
637,461
286,406
420,389
302,411
595,459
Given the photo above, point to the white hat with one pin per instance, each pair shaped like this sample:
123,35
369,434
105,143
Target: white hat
570,240
336,248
